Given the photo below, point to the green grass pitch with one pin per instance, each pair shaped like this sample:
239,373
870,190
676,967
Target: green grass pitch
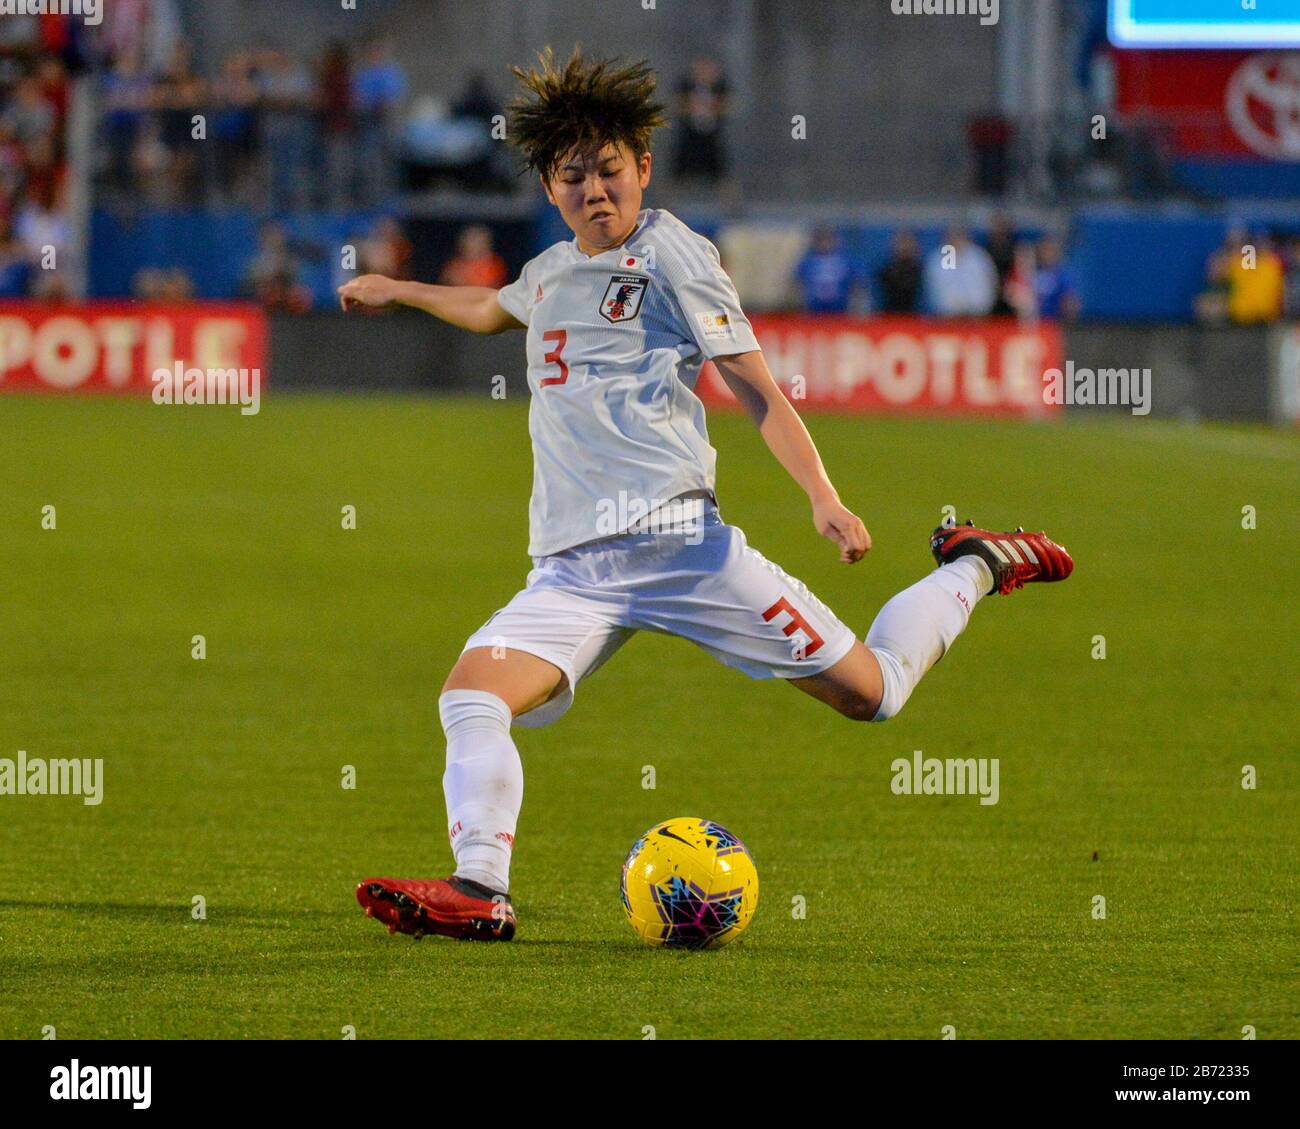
327,647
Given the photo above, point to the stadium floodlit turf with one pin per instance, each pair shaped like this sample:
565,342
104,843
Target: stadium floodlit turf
1119,777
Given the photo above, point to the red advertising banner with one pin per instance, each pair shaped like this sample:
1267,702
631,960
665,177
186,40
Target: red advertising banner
118,346
1215,103
906,365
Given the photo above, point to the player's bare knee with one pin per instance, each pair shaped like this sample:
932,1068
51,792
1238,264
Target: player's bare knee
522,681
856,707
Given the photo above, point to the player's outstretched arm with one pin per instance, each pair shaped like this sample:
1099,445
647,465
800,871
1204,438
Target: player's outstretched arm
470,307
751,382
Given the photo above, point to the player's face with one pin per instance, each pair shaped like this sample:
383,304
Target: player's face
599,195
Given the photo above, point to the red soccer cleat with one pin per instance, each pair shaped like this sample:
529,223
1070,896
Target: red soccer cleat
1015,559
452,907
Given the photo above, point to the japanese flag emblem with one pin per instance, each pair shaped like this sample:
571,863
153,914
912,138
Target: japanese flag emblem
622,301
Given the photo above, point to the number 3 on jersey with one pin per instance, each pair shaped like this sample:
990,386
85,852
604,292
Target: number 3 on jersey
559,336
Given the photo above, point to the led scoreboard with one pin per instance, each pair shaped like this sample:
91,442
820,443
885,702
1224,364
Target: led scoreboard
1205,23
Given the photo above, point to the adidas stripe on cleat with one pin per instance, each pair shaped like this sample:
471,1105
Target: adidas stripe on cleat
1015,559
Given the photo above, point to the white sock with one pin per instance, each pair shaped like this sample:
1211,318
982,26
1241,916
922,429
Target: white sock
916,627
483,784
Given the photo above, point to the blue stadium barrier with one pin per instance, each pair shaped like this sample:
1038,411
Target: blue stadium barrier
214,248
1130,265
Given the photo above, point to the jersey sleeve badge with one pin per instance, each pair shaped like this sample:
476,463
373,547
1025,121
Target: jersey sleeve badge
715,325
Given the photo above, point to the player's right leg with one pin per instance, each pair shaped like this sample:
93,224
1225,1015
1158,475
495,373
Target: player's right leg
521,667
484,787
484,779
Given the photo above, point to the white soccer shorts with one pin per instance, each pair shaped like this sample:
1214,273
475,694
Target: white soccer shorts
706,585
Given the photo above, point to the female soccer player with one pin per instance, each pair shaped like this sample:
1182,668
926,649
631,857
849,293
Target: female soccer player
624,528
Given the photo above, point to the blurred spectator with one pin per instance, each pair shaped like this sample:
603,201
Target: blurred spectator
1246,281
45,237
475,262
232,131
1212,302
1256,283
178,286
1055,292
274,276
286,94
148,284
702,104
14,267
379,90
1020,290
388,252
177,97
901,277
126,97
156,284
960,278
1041,285
149,165
825,275
334,92
1001,246
43,232
380,83
35,234
53,78
280,135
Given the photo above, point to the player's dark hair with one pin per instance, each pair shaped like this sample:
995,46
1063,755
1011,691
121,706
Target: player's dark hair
581,105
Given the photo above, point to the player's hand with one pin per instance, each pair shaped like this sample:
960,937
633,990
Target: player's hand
837,523
372,290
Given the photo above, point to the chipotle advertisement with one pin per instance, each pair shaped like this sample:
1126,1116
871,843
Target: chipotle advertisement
905,365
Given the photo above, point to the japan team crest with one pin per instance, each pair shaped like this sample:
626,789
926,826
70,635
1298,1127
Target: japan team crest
622,301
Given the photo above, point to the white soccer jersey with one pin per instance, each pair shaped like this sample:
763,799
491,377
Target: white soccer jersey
616,342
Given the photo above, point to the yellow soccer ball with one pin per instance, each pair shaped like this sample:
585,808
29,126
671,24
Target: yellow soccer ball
689,884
